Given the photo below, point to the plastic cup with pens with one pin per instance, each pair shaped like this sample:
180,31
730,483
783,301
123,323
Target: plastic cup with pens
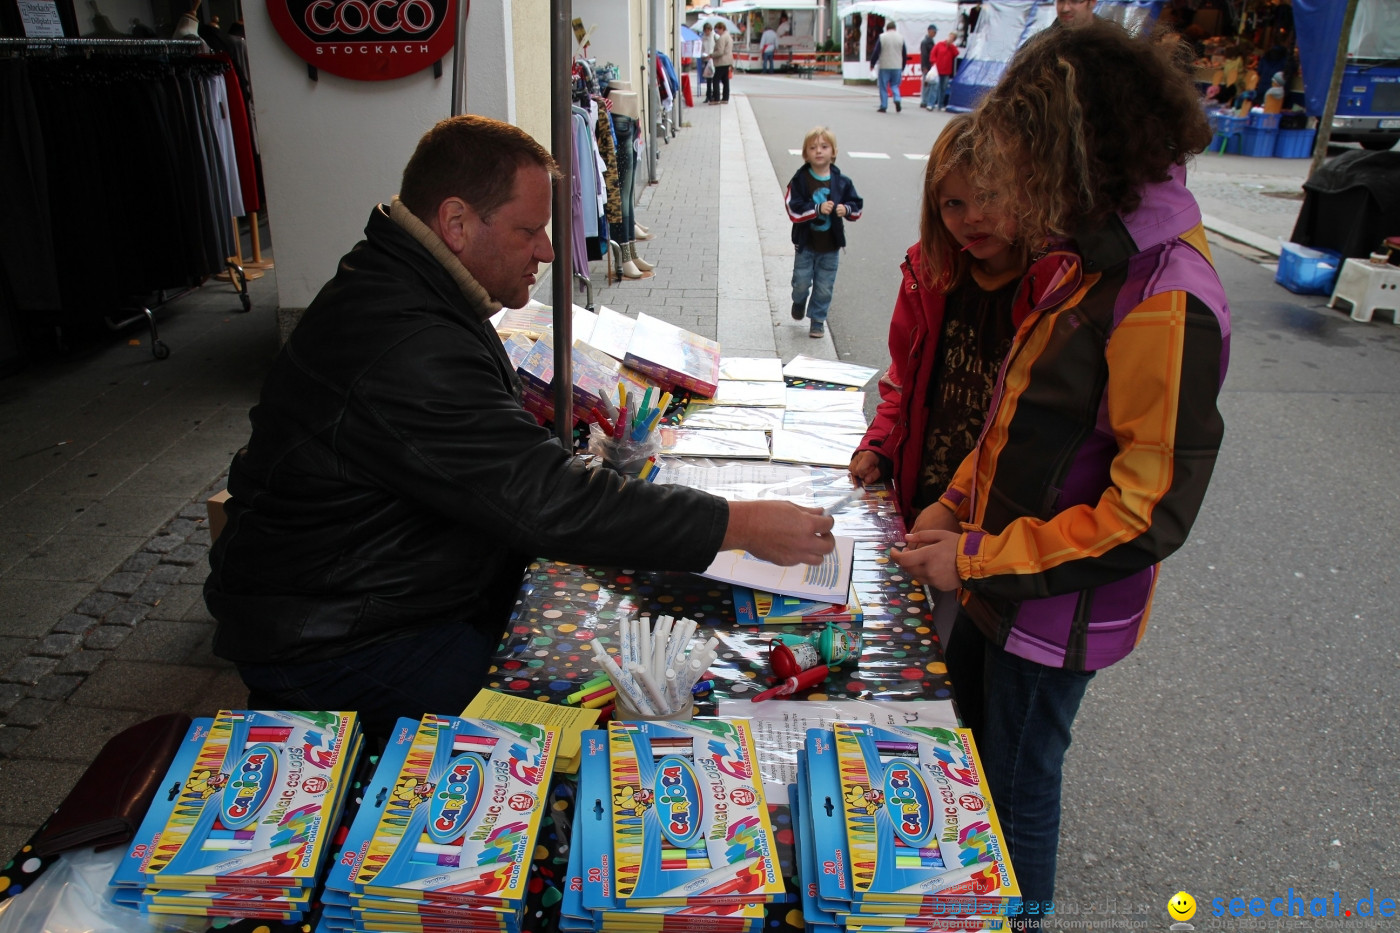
657,670
625,437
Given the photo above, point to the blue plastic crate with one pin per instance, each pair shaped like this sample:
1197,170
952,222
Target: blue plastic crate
1307,271
1294,144
1228,135
1259,143
1264,121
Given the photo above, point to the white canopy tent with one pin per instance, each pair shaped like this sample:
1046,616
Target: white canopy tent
911,17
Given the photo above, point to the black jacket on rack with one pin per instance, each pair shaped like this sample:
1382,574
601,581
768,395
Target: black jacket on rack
114,185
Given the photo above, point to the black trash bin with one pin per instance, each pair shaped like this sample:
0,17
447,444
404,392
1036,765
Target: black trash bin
1351,204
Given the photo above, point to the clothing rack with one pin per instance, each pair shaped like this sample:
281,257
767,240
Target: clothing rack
155,50
190,46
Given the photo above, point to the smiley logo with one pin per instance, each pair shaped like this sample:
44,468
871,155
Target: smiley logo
1182,906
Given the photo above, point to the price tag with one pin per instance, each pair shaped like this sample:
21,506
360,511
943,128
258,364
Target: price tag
40,18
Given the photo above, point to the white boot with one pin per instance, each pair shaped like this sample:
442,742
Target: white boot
641,233
638,261
628,269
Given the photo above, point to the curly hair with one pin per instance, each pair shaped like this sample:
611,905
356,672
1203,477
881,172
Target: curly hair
1081,121
944,264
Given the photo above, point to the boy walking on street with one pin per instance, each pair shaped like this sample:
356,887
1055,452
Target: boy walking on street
819,201
888,61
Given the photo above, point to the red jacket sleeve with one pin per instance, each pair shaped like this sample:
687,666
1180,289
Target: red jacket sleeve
892,381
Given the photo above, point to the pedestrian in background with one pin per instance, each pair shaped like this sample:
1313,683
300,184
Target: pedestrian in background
706,65
767,48
945,62
888,61
1101,440
723,57
819,199
928,77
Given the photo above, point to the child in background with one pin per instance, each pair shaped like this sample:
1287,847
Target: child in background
951,327
819,201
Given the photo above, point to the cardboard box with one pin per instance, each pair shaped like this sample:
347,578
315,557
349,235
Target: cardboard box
217,517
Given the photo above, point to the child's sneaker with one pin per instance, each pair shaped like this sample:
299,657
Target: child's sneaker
799,310
818,329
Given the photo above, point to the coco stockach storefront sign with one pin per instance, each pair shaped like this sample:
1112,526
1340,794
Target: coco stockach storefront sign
368,40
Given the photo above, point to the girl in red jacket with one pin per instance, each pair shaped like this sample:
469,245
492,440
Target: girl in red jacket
952,326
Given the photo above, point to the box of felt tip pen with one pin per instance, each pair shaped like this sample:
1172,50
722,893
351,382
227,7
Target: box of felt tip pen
690,823
597,895
919,823
451,815
246,810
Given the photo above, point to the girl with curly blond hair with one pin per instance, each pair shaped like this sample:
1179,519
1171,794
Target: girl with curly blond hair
1104,426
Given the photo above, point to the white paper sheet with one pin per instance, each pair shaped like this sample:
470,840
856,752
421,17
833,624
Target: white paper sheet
824,400
733,418
826,582
780,726
819,370
796,446
753,369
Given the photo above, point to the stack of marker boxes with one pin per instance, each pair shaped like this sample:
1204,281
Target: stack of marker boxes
446,829
244,817
674,828
896,831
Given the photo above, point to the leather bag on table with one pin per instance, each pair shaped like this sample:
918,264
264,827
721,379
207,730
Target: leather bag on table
109,801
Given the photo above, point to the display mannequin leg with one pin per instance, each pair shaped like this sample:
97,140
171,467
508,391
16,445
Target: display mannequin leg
638,261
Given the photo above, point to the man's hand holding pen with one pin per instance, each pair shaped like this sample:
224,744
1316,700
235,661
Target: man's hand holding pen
779,532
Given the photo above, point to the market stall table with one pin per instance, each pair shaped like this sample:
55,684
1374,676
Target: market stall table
562,607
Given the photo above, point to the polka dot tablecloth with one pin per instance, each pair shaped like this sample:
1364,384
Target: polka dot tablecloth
563,607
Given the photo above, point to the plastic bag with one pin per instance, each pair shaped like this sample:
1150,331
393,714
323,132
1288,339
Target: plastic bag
624,456
73,896
709,71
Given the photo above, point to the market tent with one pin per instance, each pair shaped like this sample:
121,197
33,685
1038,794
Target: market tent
712,19
745,6
688,34
912,17
1004,27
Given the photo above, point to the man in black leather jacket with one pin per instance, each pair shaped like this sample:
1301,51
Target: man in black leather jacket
394,489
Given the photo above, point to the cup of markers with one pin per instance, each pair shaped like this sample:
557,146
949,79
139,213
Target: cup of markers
625,436
658,671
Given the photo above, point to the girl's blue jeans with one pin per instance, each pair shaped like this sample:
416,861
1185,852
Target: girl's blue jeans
1020,714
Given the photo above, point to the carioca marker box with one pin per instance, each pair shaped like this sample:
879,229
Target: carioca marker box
812,913
690,822
451,817
919,821
828,822
573,916
673,356
248,805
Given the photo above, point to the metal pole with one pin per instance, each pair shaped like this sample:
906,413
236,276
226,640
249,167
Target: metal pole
679,61
1334,90
653,98
459,55
561,48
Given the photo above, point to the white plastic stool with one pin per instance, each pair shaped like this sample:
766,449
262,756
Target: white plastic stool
1369,287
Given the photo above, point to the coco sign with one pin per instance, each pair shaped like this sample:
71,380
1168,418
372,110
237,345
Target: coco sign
368,40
